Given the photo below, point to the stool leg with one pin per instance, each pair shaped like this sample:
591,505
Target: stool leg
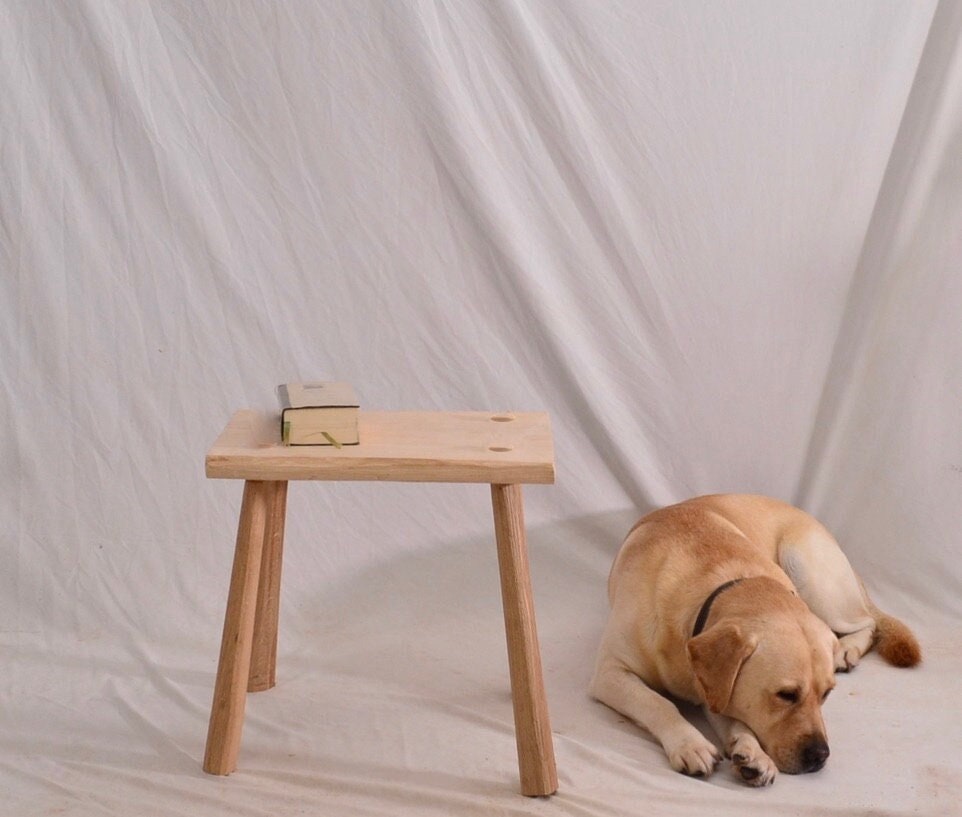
532,727
264,651
230,688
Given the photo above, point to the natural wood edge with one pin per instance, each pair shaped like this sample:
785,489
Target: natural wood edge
536,760
263,672
238,465
233,669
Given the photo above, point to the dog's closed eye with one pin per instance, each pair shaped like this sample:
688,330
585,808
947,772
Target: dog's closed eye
788,695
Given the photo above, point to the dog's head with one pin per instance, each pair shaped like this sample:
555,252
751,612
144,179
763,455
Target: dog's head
767,661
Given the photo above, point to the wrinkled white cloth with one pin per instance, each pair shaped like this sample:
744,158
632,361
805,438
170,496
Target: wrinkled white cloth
719,243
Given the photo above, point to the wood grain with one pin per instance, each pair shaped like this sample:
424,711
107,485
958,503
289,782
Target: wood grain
263,672
233,669
411,446
536,759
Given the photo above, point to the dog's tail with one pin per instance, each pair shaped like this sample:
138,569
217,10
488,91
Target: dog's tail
895,642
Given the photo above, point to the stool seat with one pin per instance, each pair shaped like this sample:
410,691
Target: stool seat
396,446
505,450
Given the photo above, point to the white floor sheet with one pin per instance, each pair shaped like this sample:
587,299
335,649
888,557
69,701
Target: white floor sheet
720,243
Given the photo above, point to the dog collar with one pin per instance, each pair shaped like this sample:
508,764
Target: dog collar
706,607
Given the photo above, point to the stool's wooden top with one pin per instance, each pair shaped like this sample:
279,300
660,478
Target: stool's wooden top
397,446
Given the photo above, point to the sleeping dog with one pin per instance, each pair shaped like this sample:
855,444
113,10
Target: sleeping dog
748,606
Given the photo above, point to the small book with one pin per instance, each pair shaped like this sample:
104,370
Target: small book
318,414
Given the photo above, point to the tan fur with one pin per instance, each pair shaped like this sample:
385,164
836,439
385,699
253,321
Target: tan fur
798,614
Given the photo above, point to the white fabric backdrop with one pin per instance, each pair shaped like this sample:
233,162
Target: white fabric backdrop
719,243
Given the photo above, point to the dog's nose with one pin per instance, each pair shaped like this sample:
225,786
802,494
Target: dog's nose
814,755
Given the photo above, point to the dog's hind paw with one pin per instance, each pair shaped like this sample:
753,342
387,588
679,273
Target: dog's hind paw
694,755
850,649
847,660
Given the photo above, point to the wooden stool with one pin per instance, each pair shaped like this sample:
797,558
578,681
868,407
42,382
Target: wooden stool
503,450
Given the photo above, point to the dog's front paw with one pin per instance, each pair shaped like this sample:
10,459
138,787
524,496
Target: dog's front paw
693,754
750,763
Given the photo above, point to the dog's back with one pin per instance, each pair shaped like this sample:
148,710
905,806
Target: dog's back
709,536
675,555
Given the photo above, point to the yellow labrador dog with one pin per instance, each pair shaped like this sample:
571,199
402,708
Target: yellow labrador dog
748,606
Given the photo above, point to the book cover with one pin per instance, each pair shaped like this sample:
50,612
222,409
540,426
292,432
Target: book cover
319,413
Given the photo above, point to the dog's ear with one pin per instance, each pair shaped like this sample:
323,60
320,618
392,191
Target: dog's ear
716,656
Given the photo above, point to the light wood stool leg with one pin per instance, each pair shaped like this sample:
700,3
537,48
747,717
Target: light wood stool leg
536,760
264,651
233,670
